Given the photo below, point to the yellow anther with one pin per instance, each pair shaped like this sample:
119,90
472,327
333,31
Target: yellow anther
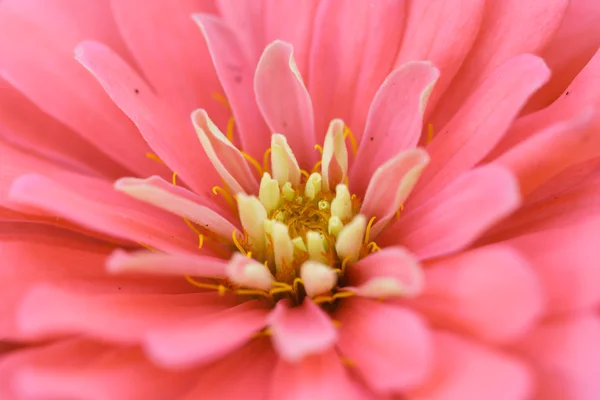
252,292
281,285
254,163
399,211
429,133
280,290
316,167
348,134
220,288
342,295
148,247
295,284
373,247
368,230
322,299
154,157
226,195
221,99
319,148
174,178
249,254
237,243
230,128
306,174
266,159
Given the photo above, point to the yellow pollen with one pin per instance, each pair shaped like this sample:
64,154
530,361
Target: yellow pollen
154,157
348,134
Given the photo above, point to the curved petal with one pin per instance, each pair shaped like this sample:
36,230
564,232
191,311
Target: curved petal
284,101
170,137
298,332
458,214
334,164
386,363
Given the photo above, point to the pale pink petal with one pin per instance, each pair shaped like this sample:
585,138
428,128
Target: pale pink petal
566,260
317,377
480,123
284,101
205,338
227,159
146,262
442,32
566,357
334,165
353,45
541,157
390,186
245,271
236,74
43,135
47,311
466,370
389,132
298,332
40,64
161,194
388,273
95,205
389,346
247,22
171,136
491,292
508,29
569,51
172,52
250,367
458,214
318,279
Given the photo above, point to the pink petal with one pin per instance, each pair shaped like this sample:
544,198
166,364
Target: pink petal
389,132
566,357
284,101
127,318
43,135
389,346
206,337
566,260
179,265
491,292
389,272
341,58
224,156
316,377
480,123
507,30
458,214
541,157
251,368
247,22
236,74
298,332
172,53
170,135
442,32
41,66
245,271
95,205
170,198
468,371
390,186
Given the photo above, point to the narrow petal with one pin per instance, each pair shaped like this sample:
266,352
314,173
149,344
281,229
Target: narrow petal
386,362
480,123
316,377
224,156
283,161
498,303
507,30
458,214
390,272
390,186
205,338
152,263
245,271
170,136
334,165
252,217
468,371
161,194
298,332
389,132
350,238
566,356
101,208
236,74
284,101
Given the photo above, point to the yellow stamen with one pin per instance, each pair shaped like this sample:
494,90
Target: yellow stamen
221,99
237,243
264,332
399,211
295,284
174,178
226,195
319,148
373,247
254,163
429,133
266,159
348,134
316,166
220,288
154,157
343,295
368,230
345,264
251,292
148,247
230,128
336,323
347,362
280,290
306,174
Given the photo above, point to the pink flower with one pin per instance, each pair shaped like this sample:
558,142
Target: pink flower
372,200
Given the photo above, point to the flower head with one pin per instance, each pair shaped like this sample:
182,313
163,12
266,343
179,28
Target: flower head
371,199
